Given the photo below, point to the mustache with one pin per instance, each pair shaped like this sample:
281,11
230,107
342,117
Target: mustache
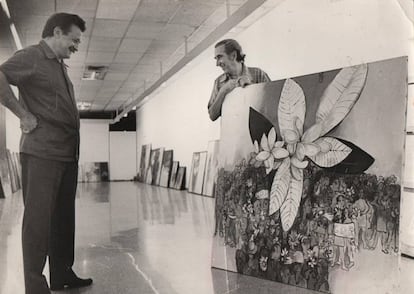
73,49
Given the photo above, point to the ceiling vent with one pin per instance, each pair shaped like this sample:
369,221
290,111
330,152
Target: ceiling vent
94,72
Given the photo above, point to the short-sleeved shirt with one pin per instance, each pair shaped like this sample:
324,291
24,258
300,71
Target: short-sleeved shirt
256,76
46,91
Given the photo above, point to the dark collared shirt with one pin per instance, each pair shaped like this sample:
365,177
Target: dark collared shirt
47,92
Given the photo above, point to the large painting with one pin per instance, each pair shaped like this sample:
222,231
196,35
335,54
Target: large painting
144,162
166,168
154,169
195,184
308,190
211,168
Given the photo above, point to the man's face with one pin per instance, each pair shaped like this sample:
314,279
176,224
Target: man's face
67,43
225,61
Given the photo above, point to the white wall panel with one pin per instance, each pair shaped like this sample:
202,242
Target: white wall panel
122,155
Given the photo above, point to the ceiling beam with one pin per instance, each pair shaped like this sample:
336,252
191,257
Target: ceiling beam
220,31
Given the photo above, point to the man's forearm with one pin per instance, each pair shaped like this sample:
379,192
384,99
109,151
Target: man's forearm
214,110
8,99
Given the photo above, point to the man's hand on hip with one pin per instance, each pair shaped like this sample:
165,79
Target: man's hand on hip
28,123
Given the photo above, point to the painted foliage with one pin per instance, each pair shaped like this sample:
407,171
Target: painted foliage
309,178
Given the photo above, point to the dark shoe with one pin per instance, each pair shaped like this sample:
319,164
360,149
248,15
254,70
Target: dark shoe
71,281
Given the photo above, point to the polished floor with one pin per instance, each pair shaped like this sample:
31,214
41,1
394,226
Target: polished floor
136,238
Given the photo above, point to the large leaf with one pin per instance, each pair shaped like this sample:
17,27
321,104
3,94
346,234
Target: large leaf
340,96
313,133
258,125
336,154
280,186
292,106
290,206
355,163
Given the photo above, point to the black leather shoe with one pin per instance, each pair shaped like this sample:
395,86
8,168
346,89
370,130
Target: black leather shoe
70,283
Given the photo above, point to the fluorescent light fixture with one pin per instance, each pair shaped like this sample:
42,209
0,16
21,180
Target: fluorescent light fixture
13,30
94,72
84,105
5,7
16,37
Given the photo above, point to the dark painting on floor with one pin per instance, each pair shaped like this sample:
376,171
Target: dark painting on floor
198,166
180,180
308,190
144,162
91,172
174,171
166,168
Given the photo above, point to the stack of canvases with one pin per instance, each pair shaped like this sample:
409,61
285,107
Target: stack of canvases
10,174
204,169
158,168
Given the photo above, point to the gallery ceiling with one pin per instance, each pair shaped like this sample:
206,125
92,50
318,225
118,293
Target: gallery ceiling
137,41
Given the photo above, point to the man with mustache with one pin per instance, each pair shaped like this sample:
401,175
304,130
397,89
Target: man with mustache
49,151
229,56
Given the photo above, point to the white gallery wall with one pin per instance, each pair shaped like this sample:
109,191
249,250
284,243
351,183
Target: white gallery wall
295,38
94,140
13,131
122,156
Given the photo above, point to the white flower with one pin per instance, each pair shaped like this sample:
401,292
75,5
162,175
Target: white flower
271,152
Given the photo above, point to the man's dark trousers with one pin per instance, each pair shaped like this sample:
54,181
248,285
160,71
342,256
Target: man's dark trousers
49,190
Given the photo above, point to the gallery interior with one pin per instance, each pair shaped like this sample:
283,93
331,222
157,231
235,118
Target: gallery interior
157,209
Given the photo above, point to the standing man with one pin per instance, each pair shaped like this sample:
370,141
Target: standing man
229,56
49,149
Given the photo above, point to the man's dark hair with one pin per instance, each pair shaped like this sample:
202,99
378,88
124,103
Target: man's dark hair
231,45
64,21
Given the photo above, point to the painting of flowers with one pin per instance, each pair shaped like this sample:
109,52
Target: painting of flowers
309,180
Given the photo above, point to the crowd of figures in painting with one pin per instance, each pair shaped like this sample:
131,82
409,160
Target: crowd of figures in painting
339,216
